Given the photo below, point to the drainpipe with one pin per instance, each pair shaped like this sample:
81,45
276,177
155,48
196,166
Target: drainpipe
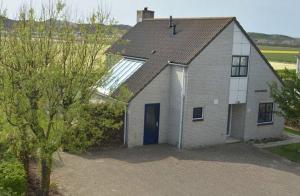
125,126
183,92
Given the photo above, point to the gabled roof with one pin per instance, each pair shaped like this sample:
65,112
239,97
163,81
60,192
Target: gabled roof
153,40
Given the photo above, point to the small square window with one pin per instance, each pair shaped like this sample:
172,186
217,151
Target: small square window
197,113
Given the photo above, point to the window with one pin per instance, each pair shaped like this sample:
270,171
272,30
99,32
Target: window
118,74
265,113
239,66
197,114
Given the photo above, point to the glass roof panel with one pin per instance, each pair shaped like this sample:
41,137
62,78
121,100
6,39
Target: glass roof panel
118,74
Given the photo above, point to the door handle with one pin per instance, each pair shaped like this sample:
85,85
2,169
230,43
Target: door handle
157,124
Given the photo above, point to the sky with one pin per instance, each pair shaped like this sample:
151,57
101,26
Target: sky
263,16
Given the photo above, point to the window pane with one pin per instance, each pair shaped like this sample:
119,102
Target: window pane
269,107
235,60
243,71
234,71
262,108
197,113
268,117
244,61
261,117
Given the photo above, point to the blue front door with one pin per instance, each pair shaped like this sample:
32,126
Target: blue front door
151,123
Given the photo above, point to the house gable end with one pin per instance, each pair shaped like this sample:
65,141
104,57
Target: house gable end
252,43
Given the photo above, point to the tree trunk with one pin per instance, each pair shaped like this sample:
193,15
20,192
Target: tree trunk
24,156
25,161
46,164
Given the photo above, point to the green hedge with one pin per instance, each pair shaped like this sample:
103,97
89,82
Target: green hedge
12,178
98,125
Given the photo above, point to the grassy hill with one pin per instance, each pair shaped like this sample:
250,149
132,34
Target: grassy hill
280,54
275,40
278,48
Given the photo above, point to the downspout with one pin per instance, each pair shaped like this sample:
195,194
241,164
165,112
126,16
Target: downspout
183,92
125,125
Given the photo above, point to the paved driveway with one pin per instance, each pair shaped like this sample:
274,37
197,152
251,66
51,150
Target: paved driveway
227,170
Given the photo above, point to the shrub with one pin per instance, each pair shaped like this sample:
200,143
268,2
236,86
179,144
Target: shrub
9,192
12,178
99,125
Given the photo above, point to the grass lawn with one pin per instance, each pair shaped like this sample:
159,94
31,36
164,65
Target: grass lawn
292,131
281,57
290,152
282,66
278,48
280,54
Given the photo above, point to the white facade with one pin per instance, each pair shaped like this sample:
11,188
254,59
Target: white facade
238,85
206,82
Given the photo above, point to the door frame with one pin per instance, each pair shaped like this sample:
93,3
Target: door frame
147,105
229,120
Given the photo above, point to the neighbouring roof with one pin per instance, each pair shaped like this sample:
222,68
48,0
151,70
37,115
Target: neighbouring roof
153,40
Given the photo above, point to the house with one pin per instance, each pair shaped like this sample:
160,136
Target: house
195,82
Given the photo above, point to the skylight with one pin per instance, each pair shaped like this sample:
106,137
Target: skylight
118,74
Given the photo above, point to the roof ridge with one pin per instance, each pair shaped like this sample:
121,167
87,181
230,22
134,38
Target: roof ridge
193,18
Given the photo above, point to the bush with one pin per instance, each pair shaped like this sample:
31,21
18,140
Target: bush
99,125
12,178
9,192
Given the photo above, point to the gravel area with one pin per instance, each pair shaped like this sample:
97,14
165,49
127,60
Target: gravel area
227,170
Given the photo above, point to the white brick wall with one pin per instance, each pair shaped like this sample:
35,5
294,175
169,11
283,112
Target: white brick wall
259,77
156,92
208,81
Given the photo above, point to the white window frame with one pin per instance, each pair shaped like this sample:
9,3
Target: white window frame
202,111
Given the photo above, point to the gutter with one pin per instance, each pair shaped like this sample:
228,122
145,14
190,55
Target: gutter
176,64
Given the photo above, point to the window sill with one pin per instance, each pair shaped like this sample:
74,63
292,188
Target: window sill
238,76
197,119
265,123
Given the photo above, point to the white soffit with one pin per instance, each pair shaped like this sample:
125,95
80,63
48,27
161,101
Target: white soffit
118,74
